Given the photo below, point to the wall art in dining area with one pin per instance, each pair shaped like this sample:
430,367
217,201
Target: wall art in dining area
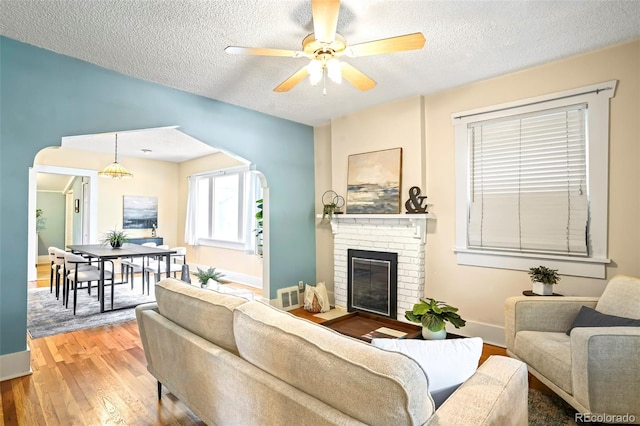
373,182
140,212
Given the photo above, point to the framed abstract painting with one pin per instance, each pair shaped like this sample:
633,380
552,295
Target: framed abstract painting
140,212
374,180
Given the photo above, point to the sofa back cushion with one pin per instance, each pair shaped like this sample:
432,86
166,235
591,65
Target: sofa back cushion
371,385
207,313
621,297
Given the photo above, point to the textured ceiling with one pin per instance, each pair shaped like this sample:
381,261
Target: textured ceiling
180,43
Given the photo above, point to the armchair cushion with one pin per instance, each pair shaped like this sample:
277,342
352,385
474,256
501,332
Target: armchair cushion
588,317
549,353
621,297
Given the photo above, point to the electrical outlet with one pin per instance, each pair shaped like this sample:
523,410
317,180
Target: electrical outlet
301,285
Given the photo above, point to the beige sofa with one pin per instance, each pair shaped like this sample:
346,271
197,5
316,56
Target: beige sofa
595,369
239,362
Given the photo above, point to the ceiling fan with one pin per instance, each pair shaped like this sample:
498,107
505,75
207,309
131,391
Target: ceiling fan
324,46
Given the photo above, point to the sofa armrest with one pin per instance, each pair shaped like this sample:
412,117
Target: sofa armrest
541,313
495,395
605,369
141,312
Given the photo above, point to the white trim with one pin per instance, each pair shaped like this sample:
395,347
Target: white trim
574,266
491,334
16,364
598,172
231,245
227,171
32,240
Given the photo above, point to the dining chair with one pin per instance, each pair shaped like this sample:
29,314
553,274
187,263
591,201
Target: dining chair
76,264
54,269
65,269
133,265
158,266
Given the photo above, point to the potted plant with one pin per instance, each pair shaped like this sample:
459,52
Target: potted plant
209,274
115,238
433,314
259,227
543,280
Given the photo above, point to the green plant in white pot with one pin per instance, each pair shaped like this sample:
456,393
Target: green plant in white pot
209,274
115,238
433,315
543,280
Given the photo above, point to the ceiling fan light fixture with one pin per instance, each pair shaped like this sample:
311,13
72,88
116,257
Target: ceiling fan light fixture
115,170
315,70
334,70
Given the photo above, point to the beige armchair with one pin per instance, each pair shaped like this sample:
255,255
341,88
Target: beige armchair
595,369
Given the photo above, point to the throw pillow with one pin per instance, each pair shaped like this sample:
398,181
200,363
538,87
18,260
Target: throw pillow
448,363
588,317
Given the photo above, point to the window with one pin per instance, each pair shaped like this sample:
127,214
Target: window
531,182
221,209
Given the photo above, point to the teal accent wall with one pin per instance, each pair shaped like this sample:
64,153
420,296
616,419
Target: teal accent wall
53,209
45,96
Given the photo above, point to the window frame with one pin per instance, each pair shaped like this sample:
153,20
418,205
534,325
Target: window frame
597,99
239,244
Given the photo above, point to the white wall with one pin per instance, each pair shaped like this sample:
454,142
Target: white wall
423,129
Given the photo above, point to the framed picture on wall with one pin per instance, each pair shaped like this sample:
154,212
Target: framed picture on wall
139,212
374,180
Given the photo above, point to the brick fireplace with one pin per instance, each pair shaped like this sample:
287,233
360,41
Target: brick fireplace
401,234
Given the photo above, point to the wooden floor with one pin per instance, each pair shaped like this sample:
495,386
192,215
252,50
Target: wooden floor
97,377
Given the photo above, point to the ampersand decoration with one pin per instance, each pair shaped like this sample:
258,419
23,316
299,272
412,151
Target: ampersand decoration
415,202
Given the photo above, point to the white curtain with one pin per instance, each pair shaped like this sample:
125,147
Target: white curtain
190,235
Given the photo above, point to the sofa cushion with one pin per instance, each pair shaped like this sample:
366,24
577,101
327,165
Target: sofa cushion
588,317
621,297
371,385
204,312
548,353
448,363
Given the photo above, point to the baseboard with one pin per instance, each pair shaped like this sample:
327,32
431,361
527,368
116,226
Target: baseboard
16,364
491,334
43,259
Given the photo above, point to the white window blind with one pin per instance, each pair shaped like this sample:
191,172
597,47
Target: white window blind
528,182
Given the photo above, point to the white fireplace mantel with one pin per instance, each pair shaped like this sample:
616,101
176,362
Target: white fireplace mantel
404,234
419,221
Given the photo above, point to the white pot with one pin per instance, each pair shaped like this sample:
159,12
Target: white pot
433,335
542,289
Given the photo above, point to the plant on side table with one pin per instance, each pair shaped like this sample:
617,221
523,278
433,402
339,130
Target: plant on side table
115,238
433,314
543,280
209,274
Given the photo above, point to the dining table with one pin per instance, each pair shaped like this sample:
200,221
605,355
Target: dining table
103,253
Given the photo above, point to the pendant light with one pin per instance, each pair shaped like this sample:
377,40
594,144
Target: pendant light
115,170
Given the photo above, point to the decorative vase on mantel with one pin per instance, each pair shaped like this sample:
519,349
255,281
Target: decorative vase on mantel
433,335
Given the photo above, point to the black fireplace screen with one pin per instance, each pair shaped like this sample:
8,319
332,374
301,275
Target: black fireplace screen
372,282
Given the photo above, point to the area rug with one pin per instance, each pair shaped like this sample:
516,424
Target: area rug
549,409
46,316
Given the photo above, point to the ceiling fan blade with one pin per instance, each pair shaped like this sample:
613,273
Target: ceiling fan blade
325,19
357,78
296,78
259,51
388,45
